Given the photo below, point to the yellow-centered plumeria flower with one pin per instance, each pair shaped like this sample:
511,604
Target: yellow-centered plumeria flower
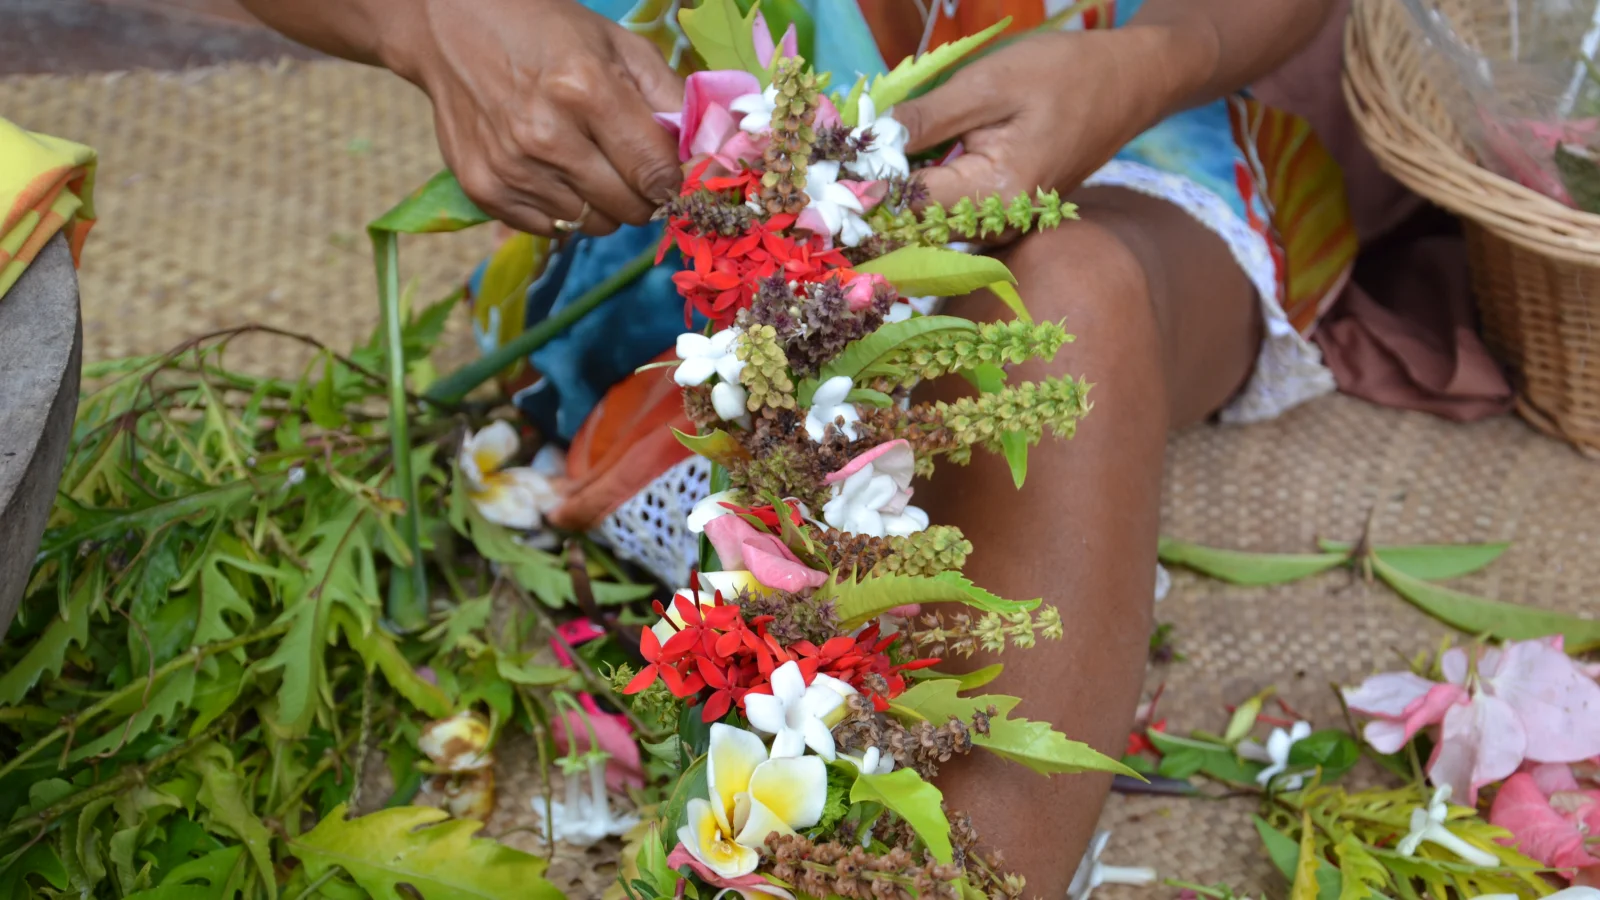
750,796
518,496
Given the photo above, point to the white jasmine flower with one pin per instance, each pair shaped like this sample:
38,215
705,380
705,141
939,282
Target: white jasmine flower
585,819
872,762
871,495
885,155
827,404
728,398
1427,824
1276,754
516,497
704,357
793,713
1092,872
838,207
757,109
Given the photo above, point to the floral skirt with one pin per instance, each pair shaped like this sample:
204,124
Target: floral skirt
1255,176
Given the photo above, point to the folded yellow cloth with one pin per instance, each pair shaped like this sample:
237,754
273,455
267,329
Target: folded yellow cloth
46,185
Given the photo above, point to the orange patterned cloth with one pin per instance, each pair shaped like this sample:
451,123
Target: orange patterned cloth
45,187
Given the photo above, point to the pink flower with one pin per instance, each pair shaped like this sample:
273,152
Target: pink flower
862,289
872,493
741,546
614,735
788,46
578,631
1551,827
706,127
745,885
1525,701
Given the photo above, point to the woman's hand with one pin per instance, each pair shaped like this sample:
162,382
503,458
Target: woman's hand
543,108
1049,110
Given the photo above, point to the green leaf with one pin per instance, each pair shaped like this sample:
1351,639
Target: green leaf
1013,300
222,794
723,37
378,651
1331,749
1216,760
1244,718
1431,562
439,205
691,786
200,879
1283,850
990,379
168,700
1253,569
39,860
1306,863
967,681
1033,744
858,356
48,651
856,602
424,848
718,446
917,271
1477,615
870,397
913,71
533,675
906,795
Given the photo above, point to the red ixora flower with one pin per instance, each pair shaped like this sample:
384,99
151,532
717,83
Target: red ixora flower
767,515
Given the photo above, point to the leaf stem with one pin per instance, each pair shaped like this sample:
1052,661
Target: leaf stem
192,658
408,601
315,887
453,387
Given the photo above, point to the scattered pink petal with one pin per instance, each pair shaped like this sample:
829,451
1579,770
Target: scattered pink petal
624,769
1482,742
680,856
891,457
1552,777
1558,706
827,113
575,632
1541,831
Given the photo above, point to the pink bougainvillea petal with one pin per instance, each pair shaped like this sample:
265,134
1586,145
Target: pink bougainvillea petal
893,458
1482,741
1388,695
775,566
1537,828
615,736
1559,706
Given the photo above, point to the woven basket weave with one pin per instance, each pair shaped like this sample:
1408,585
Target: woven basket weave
1535,261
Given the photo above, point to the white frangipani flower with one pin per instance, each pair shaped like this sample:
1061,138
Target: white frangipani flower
827,404
516,496
1276,754
585,819
757,109
704,357
750,795
710,508
837,205
1427,824
885,155
872,494
1092,872
794,713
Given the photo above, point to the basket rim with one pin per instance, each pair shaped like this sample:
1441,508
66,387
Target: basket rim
1436,168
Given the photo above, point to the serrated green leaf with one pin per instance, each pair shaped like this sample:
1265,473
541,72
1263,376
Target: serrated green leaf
1432,562
718,446
1008,295
1478,615
723,37
1304,885
1033,744
421,847
858,356
140,713
856,602
48,651
906,795
1362,875
222,795
966,681
439,205
200,879
918,271
39,860
896,85
1253,569
378,651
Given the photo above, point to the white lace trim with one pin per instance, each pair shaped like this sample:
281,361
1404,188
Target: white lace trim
1289,370
649,528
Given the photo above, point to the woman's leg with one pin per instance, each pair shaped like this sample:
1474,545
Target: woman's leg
1167,329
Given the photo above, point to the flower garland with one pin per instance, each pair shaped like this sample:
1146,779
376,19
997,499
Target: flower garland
812,717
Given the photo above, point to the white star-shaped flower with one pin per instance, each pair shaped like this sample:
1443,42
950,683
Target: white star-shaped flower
828,404
704,357
794,714
885,155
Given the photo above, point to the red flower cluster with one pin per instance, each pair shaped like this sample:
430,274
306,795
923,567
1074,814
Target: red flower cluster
767,515
722,273
719,657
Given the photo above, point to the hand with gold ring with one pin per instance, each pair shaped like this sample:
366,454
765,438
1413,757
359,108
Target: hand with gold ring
543,108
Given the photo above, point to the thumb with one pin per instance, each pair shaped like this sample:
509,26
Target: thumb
960,105
661,87
972,174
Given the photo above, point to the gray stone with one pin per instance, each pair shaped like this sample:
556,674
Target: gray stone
41,352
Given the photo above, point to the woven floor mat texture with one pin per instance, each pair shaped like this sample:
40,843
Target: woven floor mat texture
240,194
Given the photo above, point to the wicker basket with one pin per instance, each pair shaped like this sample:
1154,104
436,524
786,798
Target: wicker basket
1535,262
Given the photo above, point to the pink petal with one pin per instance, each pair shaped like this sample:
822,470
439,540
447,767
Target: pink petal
893,458
870,193
727,535
1481,742
812,221
1558,705
1387,735
776,566
827,113
862,289
1552,777
717,126
761,36
1537,829
703,90
672,122
1388,695
575,632
789,45
615,736
1453,663
741,146
680,856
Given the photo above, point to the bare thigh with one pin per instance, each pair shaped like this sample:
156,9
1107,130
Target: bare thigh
1167,329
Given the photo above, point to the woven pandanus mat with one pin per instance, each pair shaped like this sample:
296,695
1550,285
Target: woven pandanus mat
240,194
